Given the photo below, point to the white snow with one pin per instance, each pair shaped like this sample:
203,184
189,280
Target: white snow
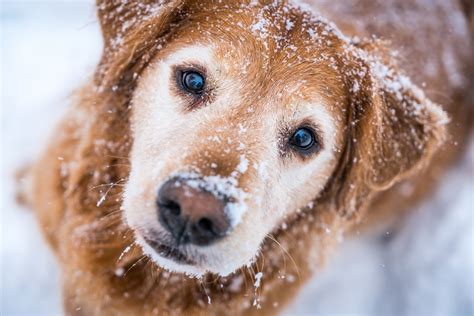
45,52
243,164
222,187
49,47
258,279
259,28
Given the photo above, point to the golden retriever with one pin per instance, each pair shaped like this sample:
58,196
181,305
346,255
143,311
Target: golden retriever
223,147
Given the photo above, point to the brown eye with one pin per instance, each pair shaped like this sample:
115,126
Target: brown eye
193,82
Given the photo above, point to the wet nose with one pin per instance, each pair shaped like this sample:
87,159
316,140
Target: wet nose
192,215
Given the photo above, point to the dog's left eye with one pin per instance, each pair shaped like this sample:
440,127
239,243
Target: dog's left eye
304,140
193,82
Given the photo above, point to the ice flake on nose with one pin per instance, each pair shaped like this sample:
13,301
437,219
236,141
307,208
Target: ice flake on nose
221,187
235,211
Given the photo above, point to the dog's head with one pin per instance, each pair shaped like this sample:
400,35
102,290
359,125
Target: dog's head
244,113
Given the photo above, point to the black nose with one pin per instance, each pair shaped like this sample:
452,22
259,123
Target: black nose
190,214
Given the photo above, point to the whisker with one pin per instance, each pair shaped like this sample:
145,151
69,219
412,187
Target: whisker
263,259
109,184
289,255
252,273
155,273
136,262
113,213
118,165
125,251
154,281
281,251
214,280
104,196
245,278
206,291
118,157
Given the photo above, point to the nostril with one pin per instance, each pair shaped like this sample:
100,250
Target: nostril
192,215
172,206
206,225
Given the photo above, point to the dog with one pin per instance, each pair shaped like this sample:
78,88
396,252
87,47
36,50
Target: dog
223,148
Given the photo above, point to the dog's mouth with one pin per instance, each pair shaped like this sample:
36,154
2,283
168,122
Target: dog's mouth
169,252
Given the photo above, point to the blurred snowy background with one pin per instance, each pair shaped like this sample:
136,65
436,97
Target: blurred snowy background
48,48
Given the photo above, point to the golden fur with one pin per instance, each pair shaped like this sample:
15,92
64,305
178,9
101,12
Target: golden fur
381,143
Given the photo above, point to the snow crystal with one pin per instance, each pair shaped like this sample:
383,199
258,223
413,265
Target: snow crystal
119,272
289,25
221,187
261,169
291,278
102,199
258,279
124,252
256,303
259,28
243,164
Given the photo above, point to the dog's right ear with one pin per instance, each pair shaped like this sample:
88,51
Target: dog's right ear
130,30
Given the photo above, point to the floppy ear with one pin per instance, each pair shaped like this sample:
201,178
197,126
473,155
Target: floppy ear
132,31
393,129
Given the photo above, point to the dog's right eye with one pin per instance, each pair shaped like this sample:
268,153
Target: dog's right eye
193,82
305,141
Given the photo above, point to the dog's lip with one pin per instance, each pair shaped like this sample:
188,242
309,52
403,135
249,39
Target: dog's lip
169,252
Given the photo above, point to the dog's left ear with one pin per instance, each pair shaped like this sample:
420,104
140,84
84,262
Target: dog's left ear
392,128
132,30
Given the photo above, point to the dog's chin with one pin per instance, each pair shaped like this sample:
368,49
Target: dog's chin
169,258
174,260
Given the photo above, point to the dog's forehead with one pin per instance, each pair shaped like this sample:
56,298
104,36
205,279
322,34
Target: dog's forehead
278,52
277,34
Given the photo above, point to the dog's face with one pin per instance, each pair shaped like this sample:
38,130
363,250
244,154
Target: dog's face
238,121
227,143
